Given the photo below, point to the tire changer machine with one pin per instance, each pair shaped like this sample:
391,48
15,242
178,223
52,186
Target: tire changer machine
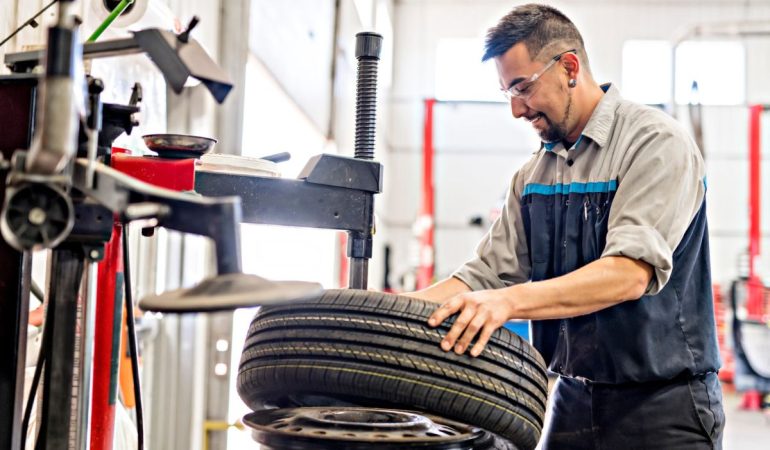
58,191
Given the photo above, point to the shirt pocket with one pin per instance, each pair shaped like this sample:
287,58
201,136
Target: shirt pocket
602,211
537,211
595,213
707,405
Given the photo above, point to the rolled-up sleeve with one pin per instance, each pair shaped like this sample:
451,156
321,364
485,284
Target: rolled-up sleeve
502,257
660,190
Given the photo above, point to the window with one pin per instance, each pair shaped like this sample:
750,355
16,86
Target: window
646,75
647,72
718,67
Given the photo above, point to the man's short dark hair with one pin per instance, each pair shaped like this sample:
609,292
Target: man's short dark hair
538,27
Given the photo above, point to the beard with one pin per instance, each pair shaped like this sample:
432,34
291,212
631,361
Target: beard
555,132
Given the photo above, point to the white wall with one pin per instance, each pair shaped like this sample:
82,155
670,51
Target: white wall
478,147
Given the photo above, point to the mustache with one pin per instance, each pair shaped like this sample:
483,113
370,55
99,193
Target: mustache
535,116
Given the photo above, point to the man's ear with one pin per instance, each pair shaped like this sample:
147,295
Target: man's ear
571,64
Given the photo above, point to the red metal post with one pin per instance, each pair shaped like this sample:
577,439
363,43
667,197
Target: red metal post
426,219
109,316
755,288
178,175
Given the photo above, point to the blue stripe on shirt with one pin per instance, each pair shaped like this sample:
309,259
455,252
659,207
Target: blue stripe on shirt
574,187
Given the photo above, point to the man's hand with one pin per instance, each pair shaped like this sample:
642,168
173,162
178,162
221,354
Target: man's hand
480,311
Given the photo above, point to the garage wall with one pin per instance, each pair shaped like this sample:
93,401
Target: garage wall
479,146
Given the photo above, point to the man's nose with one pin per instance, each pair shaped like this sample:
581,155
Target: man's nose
518,107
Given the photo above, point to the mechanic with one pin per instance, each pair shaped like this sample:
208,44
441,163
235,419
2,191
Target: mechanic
603,245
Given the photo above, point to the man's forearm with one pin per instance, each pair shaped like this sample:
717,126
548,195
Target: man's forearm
441,291
598,285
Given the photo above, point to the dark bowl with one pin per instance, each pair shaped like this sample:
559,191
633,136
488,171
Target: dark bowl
178,145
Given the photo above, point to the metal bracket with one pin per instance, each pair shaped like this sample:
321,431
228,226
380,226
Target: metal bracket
218,219
177,60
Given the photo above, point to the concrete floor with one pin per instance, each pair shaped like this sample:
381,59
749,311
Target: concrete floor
744,430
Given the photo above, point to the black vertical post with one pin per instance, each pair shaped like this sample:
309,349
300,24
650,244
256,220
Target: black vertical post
368,47
66,269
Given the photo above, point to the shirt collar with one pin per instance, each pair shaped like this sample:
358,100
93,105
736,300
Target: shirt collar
550,146
599,125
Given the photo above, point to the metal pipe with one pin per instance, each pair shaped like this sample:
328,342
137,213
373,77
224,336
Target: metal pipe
84,357
56,420
359,273
368,47
92,50
94,122
57,140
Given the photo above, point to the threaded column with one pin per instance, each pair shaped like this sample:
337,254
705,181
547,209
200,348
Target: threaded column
368,46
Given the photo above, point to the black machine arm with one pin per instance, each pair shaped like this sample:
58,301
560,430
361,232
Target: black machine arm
218,219
332,192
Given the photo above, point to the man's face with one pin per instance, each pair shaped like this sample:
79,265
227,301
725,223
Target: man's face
547,102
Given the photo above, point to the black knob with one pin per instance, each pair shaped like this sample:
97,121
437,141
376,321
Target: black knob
136,95
185,36
368,45
95,86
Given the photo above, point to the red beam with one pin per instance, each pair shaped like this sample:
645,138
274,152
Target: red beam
755,288
178,175
426,220
109,315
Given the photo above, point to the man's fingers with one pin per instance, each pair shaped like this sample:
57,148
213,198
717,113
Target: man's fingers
444,311
481,342
459,326
470,331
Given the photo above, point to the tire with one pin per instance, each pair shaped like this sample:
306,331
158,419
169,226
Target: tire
375,349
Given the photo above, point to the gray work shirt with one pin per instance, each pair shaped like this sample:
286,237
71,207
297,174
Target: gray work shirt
632,185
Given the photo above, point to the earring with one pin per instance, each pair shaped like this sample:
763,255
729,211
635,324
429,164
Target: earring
572,83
